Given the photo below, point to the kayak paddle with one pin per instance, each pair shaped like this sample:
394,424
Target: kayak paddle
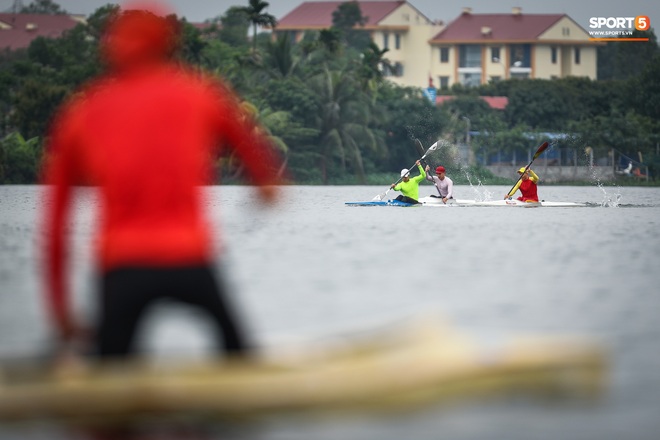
431,148
420,149
540,150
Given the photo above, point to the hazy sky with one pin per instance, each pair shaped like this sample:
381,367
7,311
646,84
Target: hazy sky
447,10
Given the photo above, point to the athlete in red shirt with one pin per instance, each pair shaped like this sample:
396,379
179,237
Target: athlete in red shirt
146,134
527,184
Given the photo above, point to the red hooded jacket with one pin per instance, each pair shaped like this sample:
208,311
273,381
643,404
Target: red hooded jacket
146,136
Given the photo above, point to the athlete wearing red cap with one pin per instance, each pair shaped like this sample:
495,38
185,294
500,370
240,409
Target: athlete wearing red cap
442,183
145,135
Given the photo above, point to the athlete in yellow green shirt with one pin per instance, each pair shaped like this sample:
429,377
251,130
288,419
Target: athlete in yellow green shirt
409,187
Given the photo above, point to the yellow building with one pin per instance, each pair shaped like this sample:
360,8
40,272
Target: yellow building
395,25
477,48
471,50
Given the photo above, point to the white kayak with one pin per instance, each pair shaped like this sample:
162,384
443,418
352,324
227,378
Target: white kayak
518,203
405,365
437,202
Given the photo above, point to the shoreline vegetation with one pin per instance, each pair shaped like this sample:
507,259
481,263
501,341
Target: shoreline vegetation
336,119
382,181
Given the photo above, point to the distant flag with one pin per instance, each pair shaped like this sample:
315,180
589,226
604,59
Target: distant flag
430,92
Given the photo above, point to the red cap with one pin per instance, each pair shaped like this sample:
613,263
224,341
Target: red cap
440,169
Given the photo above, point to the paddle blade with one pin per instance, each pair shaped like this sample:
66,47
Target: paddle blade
431,148
542,148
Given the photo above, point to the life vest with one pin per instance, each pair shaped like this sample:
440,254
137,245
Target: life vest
528,189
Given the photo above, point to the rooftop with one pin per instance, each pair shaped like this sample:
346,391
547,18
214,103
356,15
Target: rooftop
516,26
18,30
318,15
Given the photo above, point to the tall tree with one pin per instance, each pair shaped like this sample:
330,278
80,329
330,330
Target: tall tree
645,90
234,27
623,59
343,116
280,58
373,64
348,19
43,7
257,16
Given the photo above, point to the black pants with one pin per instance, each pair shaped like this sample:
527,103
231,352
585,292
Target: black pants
406,199
128,292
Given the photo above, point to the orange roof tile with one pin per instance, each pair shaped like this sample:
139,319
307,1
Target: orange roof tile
18,30
495,102
508,27
319,14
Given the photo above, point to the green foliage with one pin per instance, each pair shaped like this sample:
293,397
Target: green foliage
257,17
626,132
191,44
372,64
34,104
234,26
327,107
280,58
645,90
19,159
330,40
622,60
43,7
506,141
409,117
348,20
342,117
293,95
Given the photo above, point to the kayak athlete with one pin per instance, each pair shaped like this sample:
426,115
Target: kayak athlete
527,184
408,186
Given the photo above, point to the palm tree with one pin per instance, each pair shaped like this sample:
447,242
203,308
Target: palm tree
258,18
373,64
269,121
280,58
344,114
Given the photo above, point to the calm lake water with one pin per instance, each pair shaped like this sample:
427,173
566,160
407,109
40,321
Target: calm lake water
311,268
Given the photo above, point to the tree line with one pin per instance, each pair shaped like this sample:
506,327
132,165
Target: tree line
328,106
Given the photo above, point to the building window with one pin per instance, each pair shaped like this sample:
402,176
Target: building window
444,54
553,55
386,41
469,55
470,79
443,81
495,54
577,55
566,31
397,41
521,55
395,69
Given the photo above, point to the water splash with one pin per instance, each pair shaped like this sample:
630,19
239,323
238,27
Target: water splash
481,193
609,200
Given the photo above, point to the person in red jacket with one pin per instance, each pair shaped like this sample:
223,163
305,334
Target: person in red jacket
527,184
145,134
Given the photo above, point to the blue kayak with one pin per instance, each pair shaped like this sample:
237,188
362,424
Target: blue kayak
382,203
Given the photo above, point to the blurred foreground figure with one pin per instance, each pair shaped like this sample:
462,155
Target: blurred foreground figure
146,135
